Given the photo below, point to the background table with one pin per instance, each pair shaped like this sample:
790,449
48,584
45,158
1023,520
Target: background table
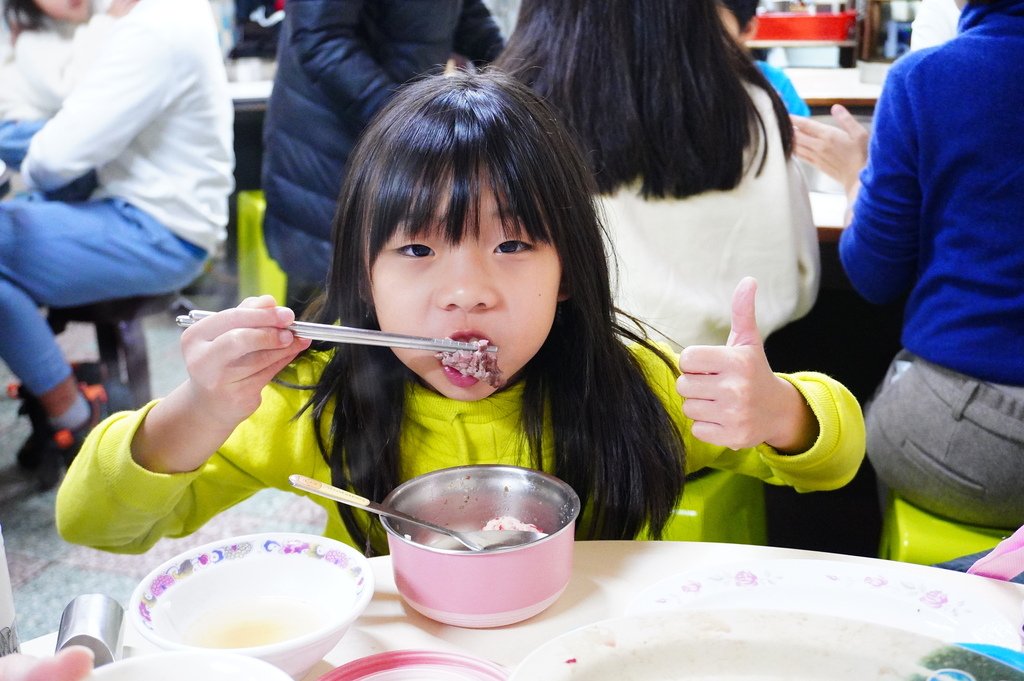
821,88
607,575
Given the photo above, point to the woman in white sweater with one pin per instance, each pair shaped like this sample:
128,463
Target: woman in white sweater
690,147
54,44
152,121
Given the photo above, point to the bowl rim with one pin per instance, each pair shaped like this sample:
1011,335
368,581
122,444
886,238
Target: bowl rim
261,651
253,664
569,526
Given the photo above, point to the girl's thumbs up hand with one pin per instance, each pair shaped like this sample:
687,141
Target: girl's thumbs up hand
731,393
744,322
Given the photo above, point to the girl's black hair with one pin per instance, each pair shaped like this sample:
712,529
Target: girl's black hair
452,137
24,15
654,89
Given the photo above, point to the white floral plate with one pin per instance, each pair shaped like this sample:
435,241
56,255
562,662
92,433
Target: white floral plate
766,645
882,594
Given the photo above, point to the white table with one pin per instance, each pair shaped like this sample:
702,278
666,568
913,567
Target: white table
828,211
251,79
821,88
606,576
250,82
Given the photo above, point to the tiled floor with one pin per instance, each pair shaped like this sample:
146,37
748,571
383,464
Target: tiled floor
46,571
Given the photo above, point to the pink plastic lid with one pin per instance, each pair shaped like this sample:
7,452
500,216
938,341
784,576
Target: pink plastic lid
417,665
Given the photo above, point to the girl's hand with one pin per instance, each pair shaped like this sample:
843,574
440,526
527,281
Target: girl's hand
732,395
119,8
230,357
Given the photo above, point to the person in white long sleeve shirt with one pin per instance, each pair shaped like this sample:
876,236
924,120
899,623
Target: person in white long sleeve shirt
690,149
46,61
762,226
153,120
935,23
54,44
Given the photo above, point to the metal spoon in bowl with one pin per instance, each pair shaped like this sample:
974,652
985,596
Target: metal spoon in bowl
478,540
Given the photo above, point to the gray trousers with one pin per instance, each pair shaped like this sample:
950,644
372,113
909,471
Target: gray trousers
948,443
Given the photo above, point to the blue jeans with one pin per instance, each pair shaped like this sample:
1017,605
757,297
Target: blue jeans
15,137
61,254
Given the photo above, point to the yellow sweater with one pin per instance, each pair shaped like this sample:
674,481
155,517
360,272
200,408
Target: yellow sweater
109,502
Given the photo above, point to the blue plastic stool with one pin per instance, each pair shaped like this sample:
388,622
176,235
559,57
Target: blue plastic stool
258,273
720,506
911,534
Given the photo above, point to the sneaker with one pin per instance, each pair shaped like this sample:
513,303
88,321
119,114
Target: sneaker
59,449
29,453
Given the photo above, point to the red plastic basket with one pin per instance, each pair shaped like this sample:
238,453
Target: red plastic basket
804,26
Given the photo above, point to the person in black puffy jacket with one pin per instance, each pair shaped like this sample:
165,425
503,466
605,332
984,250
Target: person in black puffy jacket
338,62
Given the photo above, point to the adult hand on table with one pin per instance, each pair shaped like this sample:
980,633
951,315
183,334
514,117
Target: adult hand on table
731,393
71,664
839,152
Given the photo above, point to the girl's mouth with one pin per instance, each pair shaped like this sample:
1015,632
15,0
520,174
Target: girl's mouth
459,379
464,368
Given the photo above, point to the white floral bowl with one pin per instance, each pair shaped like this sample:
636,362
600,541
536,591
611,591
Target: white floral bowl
283,597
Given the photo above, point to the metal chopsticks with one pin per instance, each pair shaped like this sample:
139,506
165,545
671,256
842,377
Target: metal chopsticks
348,334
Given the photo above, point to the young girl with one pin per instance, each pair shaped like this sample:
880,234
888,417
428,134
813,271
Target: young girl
55,42
468,214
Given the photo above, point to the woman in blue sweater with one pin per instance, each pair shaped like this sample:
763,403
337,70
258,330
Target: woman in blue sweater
939,219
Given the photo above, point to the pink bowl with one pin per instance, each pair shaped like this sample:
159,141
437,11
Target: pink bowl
487,588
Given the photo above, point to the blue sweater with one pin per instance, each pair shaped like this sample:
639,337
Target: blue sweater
784,86
940,215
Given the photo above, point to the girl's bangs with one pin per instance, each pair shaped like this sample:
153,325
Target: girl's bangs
435,181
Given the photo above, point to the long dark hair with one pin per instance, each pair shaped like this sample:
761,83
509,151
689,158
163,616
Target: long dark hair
453,136
23,15
655,90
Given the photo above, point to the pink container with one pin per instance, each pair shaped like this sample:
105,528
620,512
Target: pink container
488,588
804,26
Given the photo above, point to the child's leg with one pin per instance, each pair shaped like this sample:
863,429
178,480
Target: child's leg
27,345
50,393
58,254
65,254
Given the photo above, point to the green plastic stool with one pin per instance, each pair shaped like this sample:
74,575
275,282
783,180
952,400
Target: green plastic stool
258,273
912,535
720,506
